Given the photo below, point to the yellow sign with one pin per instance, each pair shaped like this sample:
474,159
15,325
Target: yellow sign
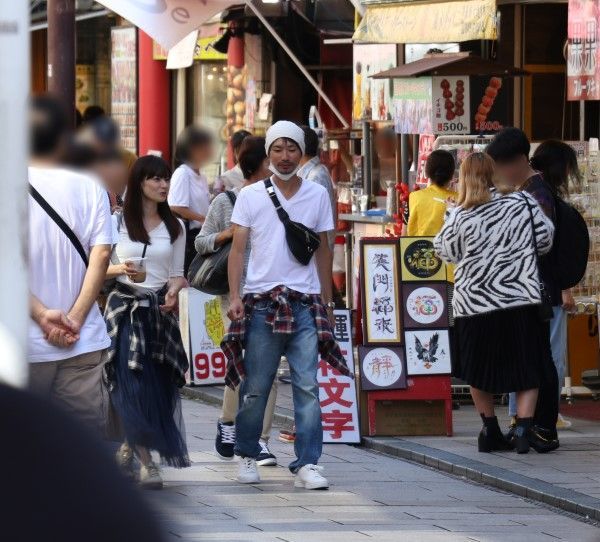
203,51
215,329
443,22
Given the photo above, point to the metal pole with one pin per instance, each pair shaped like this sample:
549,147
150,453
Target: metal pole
61,53
14,90
295,60
367,153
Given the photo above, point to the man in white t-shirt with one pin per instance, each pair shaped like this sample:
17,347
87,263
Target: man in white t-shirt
67,333
279,287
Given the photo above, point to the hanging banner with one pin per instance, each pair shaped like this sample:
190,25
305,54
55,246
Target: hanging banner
202,329
337,393
167,21
583,71
182,55
454,21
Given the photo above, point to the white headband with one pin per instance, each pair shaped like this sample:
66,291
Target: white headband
287,129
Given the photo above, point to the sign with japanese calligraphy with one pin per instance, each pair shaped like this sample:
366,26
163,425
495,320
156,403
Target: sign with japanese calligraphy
202,329
428,352
583,71
420,261
425,305
380,291
337,393
382,368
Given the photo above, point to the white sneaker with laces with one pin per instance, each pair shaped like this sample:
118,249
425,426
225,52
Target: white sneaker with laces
310,477
247,471
150,477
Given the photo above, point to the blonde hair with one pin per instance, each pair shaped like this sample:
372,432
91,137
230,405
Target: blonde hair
475,179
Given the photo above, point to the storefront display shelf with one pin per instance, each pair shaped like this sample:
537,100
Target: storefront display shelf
356,217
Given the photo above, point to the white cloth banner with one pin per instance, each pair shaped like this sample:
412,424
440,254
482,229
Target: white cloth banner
182,54
168,21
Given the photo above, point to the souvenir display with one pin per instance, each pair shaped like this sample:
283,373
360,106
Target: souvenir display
425,305
380,292
382,368
419,260
428,352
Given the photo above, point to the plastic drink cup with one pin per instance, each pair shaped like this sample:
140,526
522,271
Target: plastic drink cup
140,267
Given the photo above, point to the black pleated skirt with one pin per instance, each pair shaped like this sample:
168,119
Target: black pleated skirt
502,351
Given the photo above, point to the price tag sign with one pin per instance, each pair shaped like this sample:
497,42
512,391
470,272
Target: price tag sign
202,329
451,105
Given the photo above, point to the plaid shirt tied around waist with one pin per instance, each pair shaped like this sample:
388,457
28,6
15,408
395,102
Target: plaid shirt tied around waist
281,318
165,342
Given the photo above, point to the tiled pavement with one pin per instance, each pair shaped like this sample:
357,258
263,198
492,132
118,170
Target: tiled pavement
372,497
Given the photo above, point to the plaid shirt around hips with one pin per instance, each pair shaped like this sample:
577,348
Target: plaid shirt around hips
281,319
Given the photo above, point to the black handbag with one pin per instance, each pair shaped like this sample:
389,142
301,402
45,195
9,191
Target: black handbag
545,311
208,272
302,241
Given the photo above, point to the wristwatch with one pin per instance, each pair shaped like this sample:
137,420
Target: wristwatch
330,305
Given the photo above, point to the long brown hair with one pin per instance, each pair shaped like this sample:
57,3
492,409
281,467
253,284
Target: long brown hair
475,179
144,168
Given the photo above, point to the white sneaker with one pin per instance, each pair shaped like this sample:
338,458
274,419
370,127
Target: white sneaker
561,423
310,477
247,471
150,477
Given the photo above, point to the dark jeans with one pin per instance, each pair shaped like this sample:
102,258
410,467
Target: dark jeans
546,411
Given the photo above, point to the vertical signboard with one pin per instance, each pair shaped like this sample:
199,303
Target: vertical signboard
124,92
337,393
583,77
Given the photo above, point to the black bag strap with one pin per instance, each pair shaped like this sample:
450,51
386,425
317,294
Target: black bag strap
281,212
59,222
231,196
534,237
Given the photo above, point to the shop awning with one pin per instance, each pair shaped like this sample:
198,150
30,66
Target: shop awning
429,22
451,64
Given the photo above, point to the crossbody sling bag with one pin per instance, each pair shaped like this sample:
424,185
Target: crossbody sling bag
60,223
545,308
302,241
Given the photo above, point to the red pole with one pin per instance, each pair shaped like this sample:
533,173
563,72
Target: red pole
154,101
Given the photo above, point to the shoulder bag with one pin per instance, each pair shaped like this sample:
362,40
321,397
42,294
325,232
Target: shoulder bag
208,272
302,241
545,308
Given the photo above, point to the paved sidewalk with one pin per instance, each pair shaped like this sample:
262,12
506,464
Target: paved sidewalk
372,497
568,478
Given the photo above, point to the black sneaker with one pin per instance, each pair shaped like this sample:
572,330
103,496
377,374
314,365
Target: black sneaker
225,440
266,458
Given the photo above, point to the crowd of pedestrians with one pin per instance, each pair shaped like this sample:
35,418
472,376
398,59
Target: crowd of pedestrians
119,232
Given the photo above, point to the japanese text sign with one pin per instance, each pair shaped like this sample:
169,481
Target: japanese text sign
337,393
379,281
583,76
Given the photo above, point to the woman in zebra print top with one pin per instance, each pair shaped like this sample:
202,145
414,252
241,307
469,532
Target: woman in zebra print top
501,342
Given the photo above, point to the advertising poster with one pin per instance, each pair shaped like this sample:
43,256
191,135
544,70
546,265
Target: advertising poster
124,97
337,393
451,105
412,105
490,104
583,77
372,98
202,329
84,86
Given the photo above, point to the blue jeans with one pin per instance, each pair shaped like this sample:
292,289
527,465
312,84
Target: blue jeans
558,344
262,351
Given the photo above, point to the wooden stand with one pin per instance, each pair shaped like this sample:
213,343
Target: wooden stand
420,388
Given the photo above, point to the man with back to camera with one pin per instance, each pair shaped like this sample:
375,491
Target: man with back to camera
287,307
510,150
67,333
